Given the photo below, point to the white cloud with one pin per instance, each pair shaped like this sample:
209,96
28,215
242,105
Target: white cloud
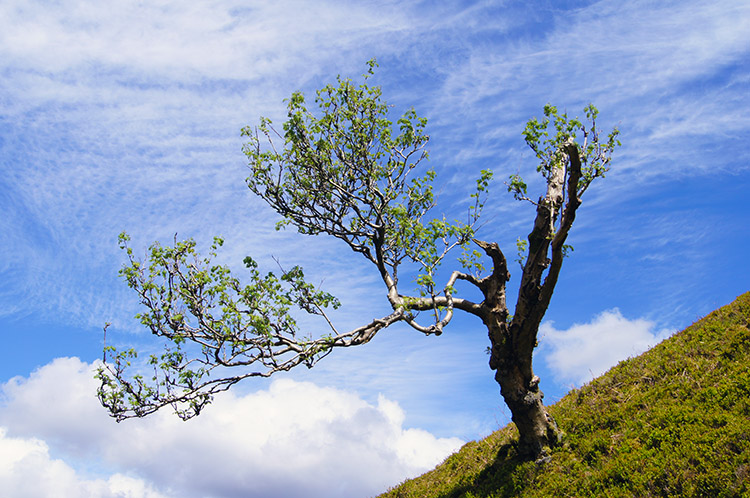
28,471
122,117
203,37
585,351
644,66
603,51
292,439
126,117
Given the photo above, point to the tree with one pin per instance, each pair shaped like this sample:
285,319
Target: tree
352,174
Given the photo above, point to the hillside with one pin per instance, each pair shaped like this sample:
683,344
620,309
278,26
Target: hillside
674,421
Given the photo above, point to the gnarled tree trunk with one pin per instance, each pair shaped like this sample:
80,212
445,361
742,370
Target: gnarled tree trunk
520,390
511,359
513,341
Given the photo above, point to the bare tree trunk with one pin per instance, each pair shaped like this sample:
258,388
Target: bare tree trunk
519,387
513,342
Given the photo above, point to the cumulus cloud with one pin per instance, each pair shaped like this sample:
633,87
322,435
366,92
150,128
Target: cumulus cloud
585,351
291,439
27,470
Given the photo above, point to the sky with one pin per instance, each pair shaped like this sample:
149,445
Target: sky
126,116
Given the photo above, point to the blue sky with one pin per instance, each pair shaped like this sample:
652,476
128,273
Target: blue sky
126,116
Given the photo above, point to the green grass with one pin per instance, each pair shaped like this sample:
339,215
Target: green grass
674,421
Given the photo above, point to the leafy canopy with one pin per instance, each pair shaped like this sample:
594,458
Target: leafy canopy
348,172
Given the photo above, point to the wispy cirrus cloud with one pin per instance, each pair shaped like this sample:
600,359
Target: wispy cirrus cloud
650,68
128,117
115,117
205,39
605,51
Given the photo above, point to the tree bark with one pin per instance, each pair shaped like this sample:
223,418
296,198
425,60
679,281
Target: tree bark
513,341
519,387
510,357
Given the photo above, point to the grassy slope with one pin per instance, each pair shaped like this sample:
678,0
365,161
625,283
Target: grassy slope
674,421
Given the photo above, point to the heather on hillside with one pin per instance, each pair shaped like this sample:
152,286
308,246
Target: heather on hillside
671,422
